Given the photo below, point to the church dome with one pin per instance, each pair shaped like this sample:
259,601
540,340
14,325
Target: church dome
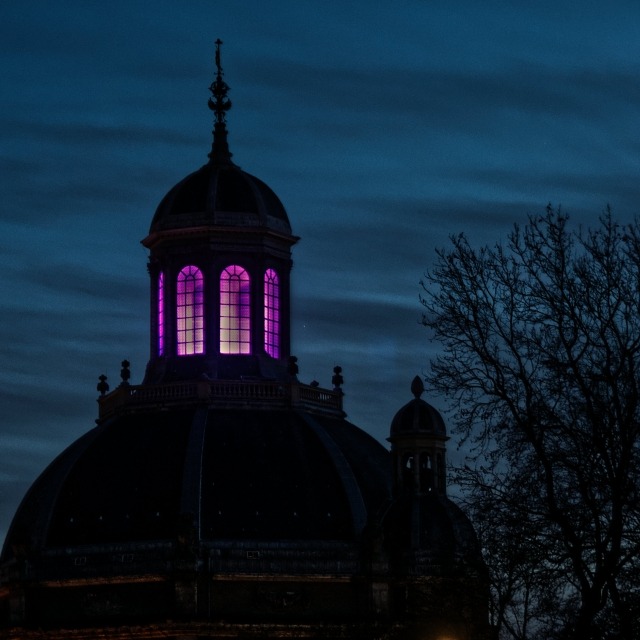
234,474
223,497
220,194
418,416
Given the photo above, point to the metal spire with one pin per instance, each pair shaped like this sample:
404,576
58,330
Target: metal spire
219,103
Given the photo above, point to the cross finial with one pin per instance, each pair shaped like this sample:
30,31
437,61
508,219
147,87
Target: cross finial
218,65
219,103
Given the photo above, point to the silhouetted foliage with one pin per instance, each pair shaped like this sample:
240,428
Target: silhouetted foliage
541,362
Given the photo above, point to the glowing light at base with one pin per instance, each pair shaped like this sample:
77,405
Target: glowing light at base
271,313
235,311
190,311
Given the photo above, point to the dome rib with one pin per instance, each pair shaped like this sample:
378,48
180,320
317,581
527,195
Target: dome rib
345,471
191,497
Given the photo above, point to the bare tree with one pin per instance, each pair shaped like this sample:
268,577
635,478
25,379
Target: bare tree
541,361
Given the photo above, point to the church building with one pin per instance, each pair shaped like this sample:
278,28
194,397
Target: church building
222,497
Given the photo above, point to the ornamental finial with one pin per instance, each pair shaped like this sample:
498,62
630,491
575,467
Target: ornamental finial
337,380
417,387
125,373
219,103
103,385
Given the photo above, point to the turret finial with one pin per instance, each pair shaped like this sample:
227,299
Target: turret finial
219,103
417,387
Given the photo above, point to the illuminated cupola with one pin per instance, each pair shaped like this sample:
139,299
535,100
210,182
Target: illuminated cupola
220,261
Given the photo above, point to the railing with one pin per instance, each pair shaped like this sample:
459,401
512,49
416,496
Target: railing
223,393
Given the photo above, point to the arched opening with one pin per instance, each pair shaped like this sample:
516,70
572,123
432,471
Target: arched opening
161,314
442,472
407,471
426,473
190,311
271,313
235,311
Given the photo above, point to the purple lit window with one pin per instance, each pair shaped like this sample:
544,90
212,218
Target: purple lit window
271,313
190,312
235,311
161,314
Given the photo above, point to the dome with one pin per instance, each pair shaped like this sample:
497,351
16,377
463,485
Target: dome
220,194
227,507
239,474
418,416
222,497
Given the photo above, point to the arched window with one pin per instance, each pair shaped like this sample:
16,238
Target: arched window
442,474
407,471
426,472
190,312
235,311
271,313
161,314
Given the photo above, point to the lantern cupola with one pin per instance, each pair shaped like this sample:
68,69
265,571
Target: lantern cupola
219,262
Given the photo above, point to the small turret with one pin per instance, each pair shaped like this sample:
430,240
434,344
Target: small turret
418,446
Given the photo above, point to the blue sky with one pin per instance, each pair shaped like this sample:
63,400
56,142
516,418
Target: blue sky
383,127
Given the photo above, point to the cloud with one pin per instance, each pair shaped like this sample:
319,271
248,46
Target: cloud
382,129
454,99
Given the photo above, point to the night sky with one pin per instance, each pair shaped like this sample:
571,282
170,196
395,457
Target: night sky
384,127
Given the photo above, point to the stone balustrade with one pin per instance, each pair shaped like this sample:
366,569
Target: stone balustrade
222,393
